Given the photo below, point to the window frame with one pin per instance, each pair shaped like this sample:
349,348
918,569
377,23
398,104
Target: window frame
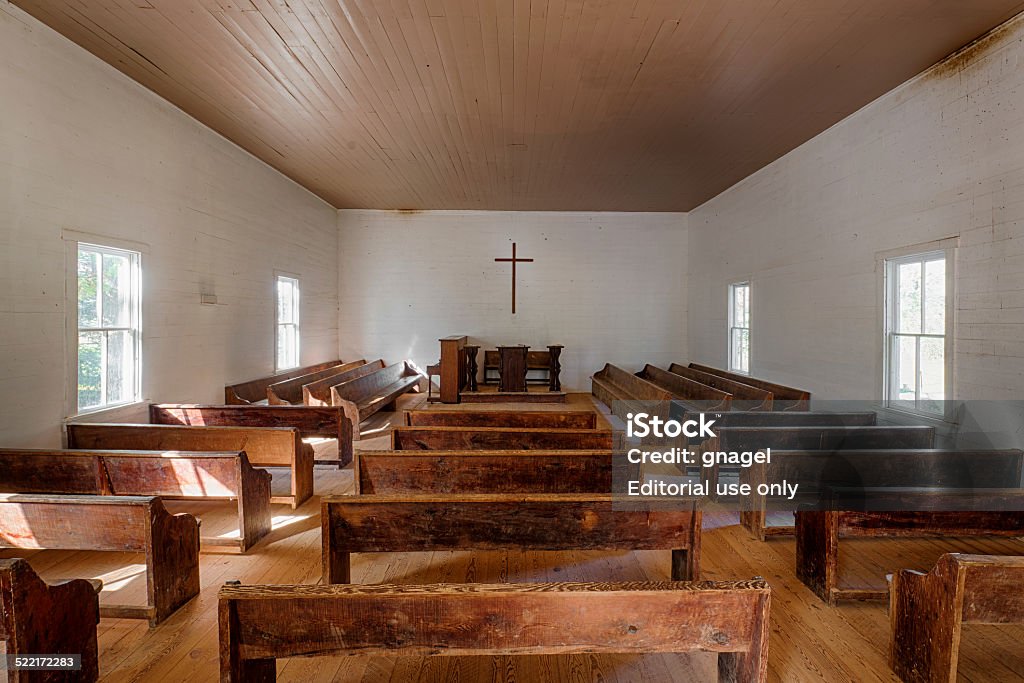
136,252
732,327
890,262
280,276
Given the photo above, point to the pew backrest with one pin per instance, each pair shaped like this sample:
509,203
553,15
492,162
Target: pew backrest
319,393
783,397
822,438
289,391
359,390
688,390
748,396
500,438
539,419
255,390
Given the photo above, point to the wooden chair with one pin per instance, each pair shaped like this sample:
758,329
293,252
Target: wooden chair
500,438
365,523
138,524
319,393
530,419
263,446
174,475
310,421
377,391
289,391
37,618
783,397
927,611
261,623
412,472
255,390
914,512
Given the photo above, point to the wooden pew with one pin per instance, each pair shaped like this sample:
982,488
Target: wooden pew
927,611
255,390
319,393
365,396
815,471
139,524
421,523
795,418
499,438
904,512
289,391
535,419
828,438
261,623
263,446
173,475
620,390
37,618
744,396
411,472
311,421
695,396
783,397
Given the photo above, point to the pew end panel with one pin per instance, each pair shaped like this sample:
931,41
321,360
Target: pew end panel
39,618
173,553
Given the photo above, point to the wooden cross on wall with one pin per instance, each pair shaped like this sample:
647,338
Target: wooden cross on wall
514,261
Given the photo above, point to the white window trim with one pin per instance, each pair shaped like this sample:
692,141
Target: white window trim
948,246
730,313
72,238
278,275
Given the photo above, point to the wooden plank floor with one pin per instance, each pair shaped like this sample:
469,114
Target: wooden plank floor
809,641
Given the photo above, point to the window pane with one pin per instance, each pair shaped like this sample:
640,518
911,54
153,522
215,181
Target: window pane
116,291
87,291
908,296
935,297
904,371
90,369
120,367
741,350
287,347
285,301
933,374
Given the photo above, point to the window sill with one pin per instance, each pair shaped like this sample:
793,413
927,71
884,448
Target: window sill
104,414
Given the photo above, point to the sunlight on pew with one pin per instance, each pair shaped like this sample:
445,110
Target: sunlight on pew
120,578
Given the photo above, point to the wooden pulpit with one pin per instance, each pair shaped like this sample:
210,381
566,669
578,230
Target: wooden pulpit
513,368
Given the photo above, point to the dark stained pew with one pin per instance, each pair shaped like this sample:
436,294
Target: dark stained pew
412,472
173,475
796,418
261,623
263,446
37,618
499,438
536,419
618,389
744,396
255,390
927,611
138,524
829,438
694,396
816,471
421,523
289,391
311,421
783,397
319,393
377,391
900,512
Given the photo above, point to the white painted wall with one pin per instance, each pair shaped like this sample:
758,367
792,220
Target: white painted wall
611,287
941,155
84,148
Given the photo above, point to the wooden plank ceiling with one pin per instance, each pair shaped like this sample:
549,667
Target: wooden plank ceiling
617,105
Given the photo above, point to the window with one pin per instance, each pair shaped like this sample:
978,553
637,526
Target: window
287,322
739,327
109,334
917,331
